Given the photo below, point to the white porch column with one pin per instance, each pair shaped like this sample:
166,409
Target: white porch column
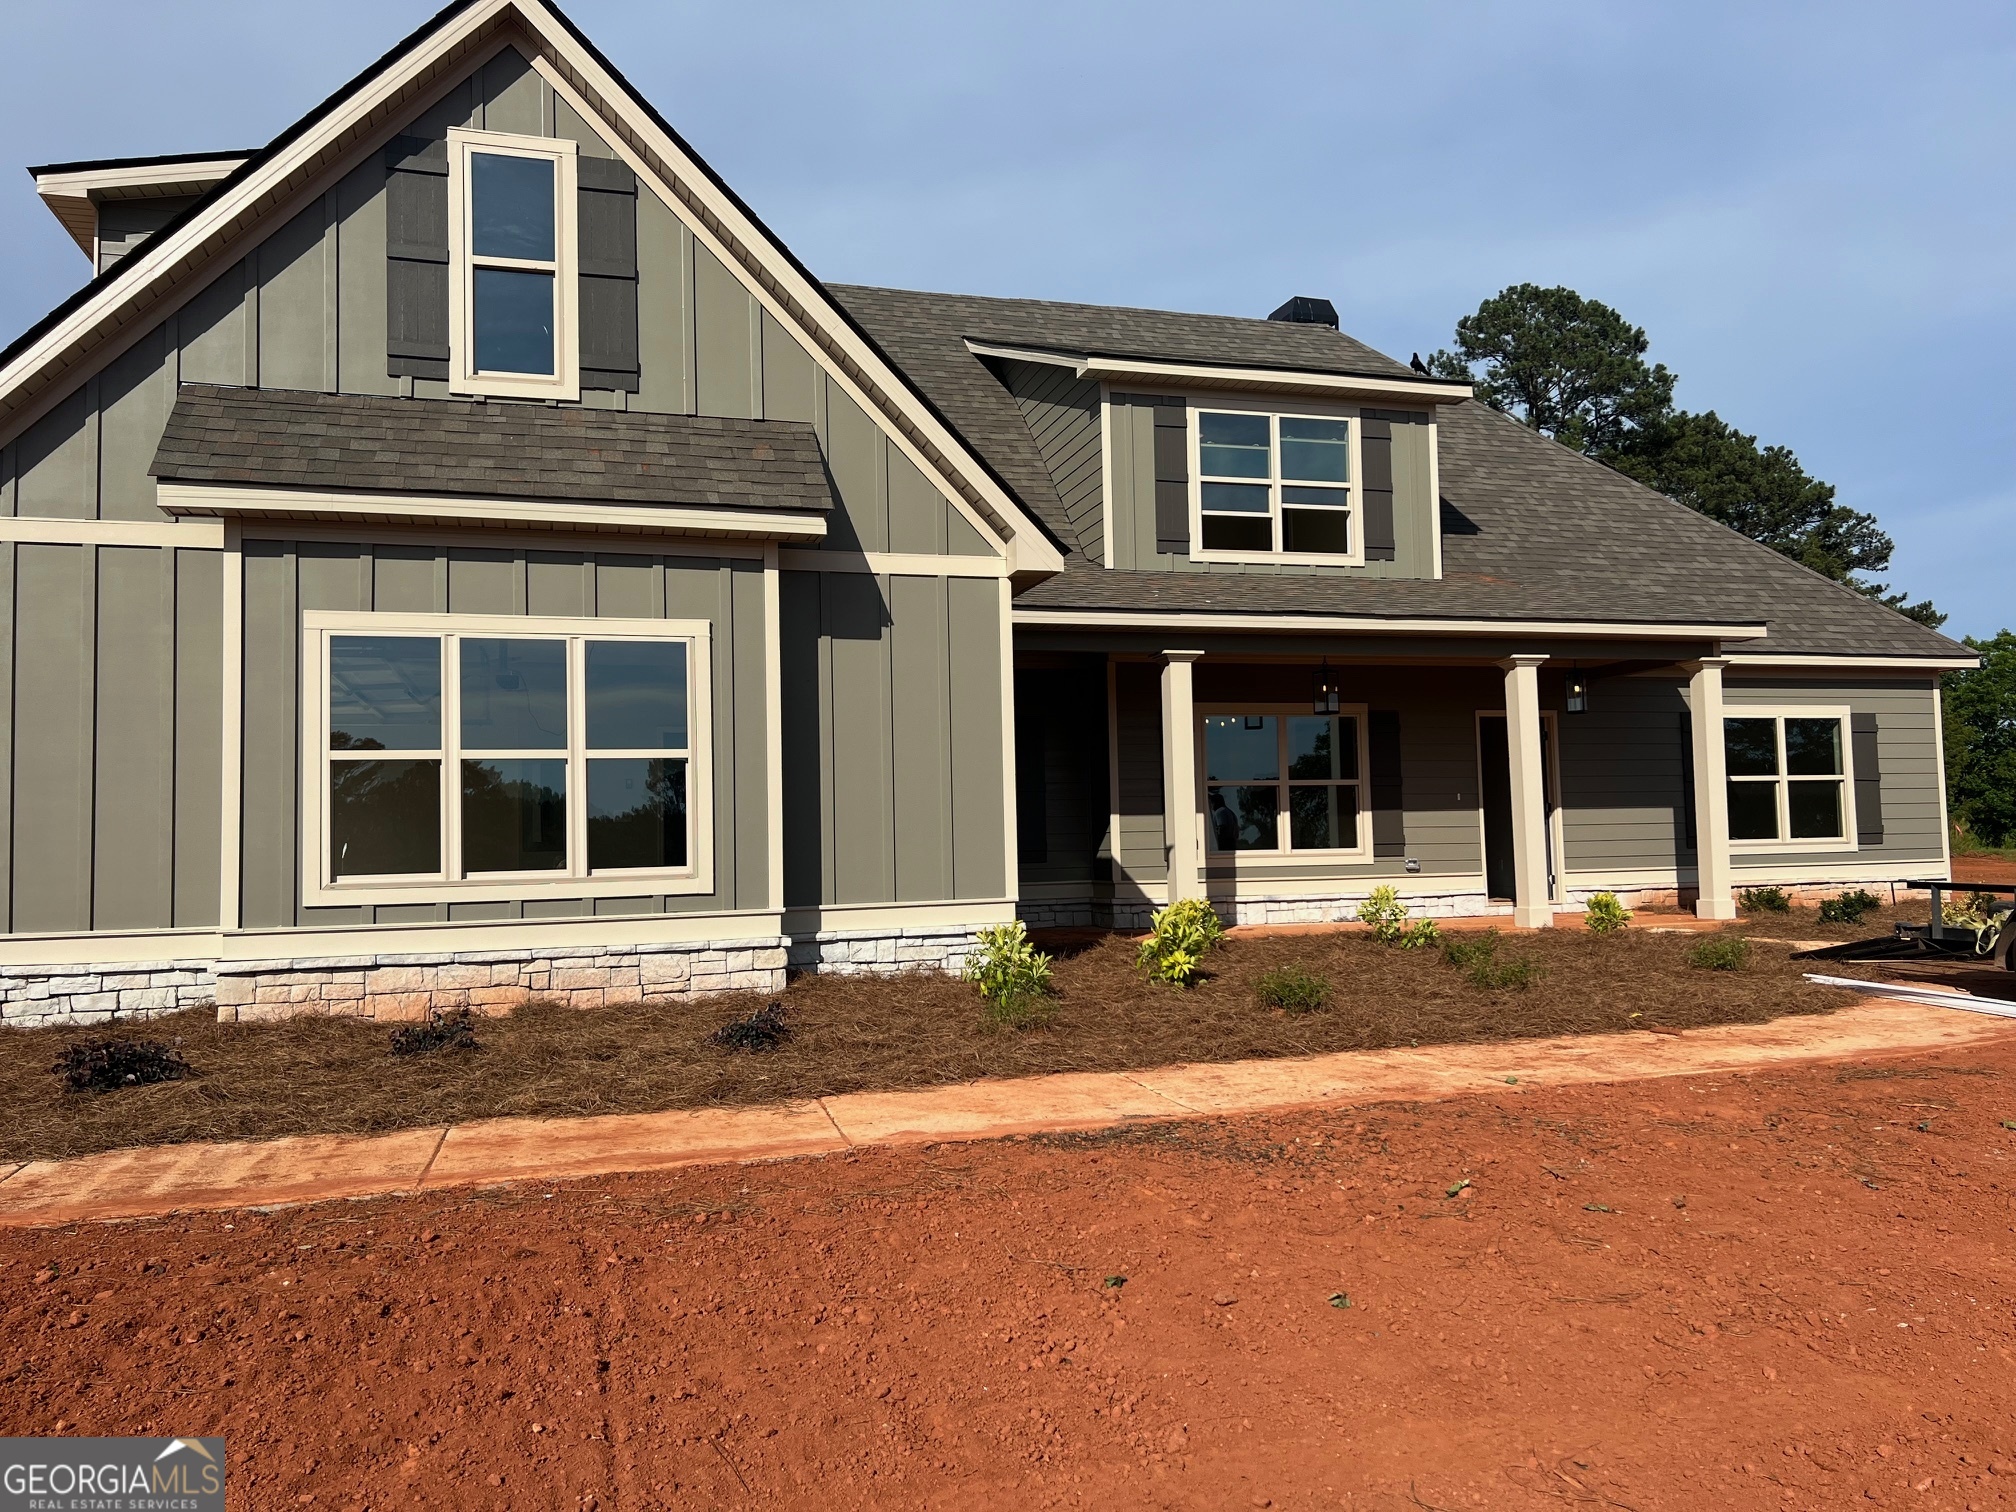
1711,790
1183,824
1531,908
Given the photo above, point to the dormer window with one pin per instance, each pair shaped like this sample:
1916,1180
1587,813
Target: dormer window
513,326
1272,485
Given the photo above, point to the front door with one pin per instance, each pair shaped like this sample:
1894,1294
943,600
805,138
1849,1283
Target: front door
1494,766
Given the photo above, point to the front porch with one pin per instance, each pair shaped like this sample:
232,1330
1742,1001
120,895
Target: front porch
1500,780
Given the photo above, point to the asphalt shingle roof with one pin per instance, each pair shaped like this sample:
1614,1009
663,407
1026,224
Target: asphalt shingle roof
1531,530
289,439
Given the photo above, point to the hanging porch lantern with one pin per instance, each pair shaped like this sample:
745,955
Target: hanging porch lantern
1325,700
1578,693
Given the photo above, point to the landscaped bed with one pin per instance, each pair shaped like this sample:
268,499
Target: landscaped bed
854,1033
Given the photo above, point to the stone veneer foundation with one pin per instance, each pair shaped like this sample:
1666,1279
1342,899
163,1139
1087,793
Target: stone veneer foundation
87,994
407,985
884,952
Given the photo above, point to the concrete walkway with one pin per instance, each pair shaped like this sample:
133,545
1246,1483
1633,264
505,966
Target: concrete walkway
164,1179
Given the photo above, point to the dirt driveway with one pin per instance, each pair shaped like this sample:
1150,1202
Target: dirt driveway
1790,1289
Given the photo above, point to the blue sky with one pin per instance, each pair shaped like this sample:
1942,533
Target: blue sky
1808,207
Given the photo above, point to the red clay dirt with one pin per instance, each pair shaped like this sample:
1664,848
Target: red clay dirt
1783,1289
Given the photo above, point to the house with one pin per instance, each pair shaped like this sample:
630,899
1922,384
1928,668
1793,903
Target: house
455,553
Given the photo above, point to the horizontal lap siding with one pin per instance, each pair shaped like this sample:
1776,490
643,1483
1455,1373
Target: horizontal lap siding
1907,736
1062,413
1624,794
283,579
113,660
894,769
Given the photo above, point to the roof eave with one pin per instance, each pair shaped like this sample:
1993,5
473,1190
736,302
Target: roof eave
1235,377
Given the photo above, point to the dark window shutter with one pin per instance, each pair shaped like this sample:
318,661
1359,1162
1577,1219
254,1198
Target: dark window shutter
1690,841
607,246
1389,813
1172,477
1376,451
416,258
1868,780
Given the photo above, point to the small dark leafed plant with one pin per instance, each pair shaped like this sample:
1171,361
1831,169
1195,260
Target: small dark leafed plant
106,1065
762,1030
1764,900
1477,959
453,1030
1293,989
1849,907
1720,953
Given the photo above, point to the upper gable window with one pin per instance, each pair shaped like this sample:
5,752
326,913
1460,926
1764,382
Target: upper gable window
1275,485
513,327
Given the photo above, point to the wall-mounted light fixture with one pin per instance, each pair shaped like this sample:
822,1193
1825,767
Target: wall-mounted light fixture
1325,700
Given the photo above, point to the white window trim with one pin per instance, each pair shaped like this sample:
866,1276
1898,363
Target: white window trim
463,377
319,888
1849,840
1362,851
1354,490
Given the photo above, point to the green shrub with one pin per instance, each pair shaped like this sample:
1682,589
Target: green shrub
1463,954
1516,974
1012,975
1605,914
1293,989
1721,953
1179,938
1387,915
1849,907
1764,900
1477,959
1420,934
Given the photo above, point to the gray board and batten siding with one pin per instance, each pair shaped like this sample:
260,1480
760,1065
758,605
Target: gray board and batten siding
285,578
1150,492
113,654
894,767
111,661
308,309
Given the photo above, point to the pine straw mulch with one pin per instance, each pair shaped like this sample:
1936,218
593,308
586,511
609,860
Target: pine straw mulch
318,1075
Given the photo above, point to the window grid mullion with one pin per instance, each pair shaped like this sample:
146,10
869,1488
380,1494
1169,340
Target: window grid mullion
451,758
577,756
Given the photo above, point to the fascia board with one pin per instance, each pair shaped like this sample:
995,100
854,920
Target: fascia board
73,198
1859,663
711,521
1238,379
676,172
159,268
682,176
1126,619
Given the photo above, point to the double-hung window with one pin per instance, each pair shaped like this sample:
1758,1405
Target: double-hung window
453,757
1278,781
1789,778
512,242
1271,486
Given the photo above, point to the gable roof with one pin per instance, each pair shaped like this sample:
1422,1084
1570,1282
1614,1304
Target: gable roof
126,298
282,438
1532,531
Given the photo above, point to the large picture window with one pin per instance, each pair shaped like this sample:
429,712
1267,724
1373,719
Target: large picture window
459,757
512,258
1789,778
1280,781
1275,486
